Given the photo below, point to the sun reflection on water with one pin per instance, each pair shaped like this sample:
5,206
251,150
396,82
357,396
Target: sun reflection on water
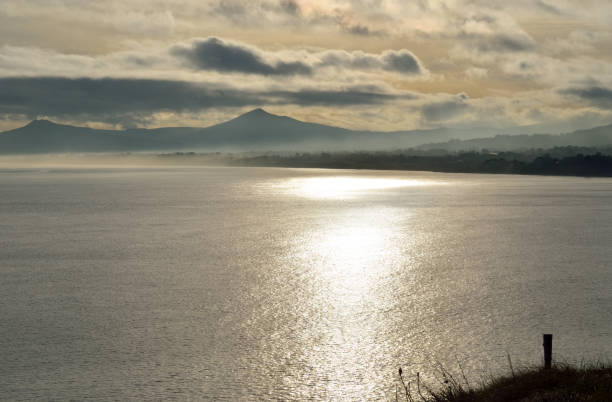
351,259
349,255
347,186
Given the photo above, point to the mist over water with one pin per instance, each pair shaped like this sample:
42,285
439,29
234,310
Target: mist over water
249,283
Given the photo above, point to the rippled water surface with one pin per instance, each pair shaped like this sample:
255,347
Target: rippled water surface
243,284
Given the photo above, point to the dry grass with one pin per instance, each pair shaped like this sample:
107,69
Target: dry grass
563,382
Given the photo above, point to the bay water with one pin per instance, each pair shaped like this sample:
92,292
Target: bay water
292,284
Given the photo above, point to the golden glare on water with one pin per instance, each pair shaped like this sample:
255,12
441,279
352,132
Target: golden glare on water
351,257
347,186
347,256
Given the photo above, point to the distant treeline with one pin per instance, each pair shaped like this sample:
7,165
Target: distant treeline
567,161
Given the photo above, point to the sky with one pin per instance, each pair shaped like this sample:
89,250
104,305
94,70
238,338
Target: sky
361,64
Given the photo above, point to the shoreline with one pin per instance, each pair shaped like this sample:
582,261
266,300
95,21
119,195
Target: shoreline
586,166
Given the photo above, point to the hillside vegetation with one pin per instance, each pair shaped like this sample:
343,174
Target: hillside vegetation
569,161
562,383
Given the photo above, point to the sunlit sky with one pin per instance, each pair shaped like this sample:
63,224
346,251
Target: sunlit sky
363,64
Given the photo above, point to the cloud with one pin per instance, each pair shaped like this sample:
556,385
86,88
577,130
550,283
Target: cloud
216,54
484,32
42,62
398,61
577,41
503,43
401,61
476,73
360,29
543,71
227,56
598,96
231,10
155,103
348,25
64,97
347,97
549,8
259,13
291,7
313,53
214,58
445,110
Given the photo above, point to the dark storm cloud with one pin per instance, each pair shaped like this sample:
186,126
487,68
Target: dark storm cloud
54,96
218,55
594,95
233,57
65,96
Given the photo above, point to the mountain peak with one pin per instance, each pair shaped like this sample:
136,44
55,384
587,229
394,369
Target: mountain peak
259,112
40,123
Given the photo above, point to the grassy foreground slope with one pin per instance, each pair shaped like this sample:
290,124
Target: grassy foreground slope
562,383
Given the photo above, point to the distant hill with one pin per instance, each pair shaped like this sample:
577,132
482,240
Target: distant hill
256,130
593,137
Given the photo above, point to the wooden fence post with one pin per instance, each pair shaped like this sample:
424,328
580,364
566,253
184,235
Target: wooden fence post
547,351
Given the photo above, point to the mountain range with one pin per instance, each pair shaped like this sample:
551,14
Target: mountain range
592,137
259,130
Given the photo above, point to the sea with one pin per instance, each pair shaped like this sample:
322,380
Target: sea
238,284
